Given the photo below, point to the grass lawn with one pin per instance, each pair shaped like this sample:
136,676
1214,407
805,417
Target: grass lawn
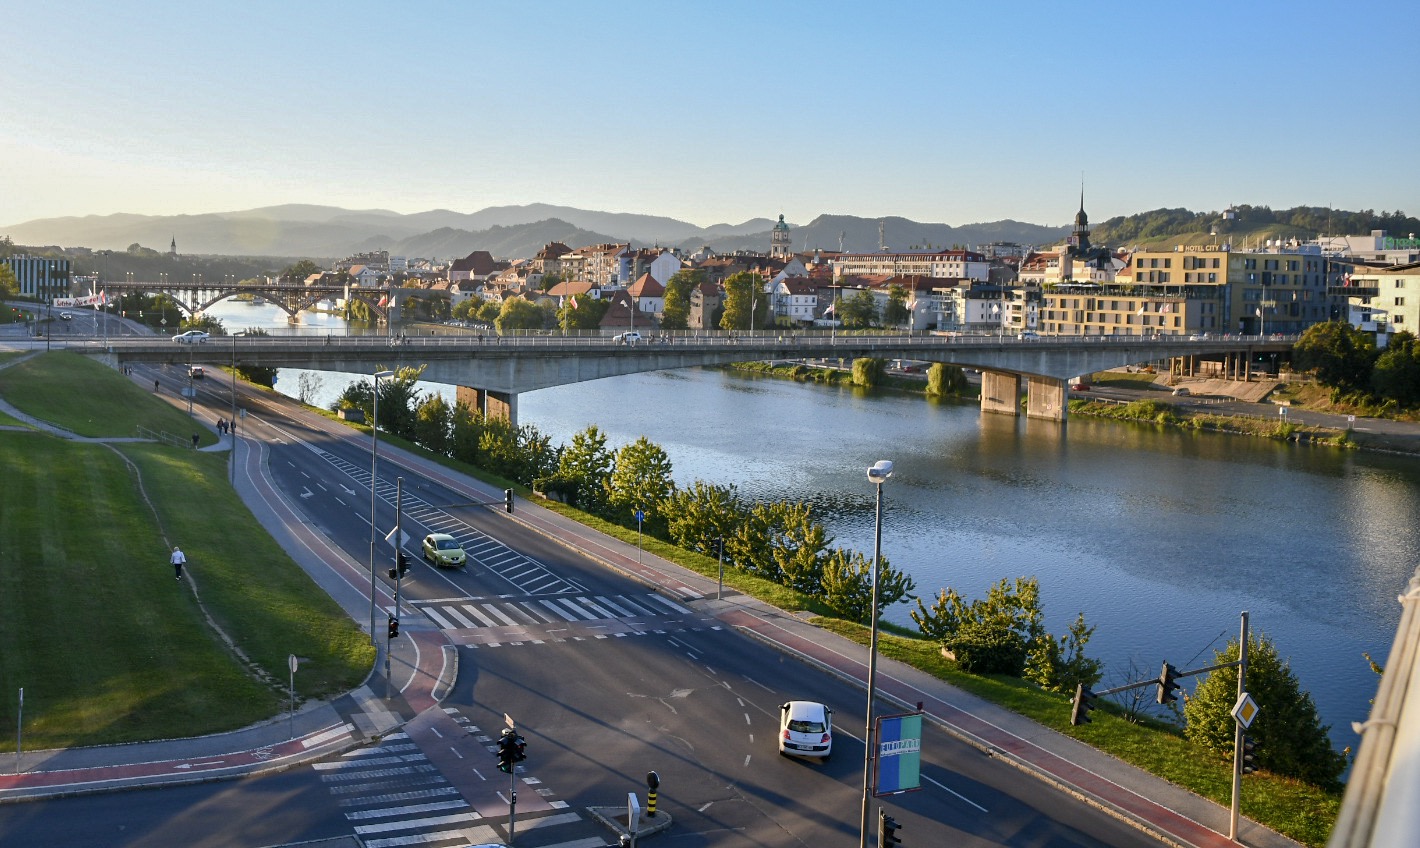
107,645
91,399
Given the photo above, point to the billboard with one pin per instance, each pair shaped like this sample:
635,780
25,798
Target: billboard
899,757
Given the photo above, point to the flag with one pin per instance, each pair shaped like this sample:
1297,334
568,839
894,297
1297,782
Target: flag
384,300
1257,311
1141,311
572,301
1346,280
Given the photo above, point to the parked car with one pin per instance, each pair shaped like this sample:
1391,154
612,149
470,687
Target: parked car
191,337
1080,387
444,550
1182,391
1028,336
196,372
627,338
806,729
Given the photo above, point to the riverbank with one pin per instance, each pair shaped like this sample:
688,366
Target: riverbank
1275,410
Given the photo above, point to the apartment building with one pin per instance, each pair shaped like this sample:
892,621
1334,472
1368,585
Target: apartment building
1383,300
948,264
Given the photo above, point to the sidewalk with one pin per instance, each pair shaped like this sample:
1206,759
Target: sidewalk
424,665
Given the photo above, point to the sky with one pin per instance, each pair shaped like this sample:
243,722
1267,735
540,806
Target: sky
708,112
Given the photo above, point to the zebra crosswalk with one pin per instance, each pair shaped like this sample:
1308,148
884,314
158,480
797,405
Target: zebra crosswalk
393,797
472,613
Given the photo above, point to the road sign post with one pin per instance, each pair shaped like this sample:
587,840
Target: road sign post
292,663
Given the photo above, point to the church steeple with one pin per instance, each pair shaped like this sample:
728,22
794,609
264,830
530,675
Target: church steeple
1081,237
172,248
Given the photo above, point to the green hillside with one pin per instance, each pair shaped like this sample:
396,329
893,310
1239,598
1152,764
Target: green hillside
1250,224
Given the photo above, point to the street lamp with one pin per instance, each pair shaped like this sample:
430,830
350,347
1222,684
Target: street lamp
878,474
374,452
232,422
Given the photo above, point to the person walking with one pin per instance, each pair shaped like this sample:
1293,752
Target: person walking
178,560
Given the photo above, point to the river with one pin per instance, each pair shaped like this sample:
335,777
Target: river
1161,537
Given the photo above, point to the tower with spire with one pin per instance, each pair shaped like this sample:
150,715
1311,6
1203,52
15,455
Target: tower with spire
172,248
1080,239
779,247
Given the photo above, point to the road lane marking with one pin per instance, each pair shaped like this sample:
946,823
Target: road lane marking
958,794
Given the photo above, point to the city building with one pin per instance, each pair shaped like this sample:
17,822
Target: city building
39,277
1383,300
945,264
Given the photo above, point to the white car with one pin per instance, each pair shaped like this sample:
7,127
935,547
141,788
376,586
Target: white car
629,338
191,337
806,729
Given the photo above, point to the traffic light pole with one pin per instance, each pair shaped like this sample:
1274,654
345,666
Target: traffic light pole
1238,732
398,575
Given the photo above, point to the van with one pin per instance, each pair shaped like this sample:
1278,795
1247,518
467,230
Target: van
627,338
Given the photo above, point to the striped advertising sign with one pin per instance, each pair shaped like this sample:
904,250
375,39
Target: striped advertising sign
899,758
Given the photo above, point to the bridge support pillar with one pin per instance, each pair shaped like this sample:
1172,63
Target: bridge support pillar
1000,392
1046,398
488,403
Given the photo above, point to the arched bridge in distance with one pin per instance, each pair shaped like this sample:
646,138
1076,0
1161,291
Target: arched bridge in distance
490,372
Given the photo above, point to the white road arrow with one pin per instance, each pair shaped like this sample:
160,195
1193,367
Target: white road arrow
307,493
200,765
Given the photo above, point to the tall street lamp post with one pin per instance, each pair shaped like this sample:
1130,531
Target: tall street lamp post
878,474
374,453
232,422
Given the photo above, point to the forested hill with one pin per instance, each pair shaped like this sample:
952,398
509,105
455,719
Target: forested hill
1252,223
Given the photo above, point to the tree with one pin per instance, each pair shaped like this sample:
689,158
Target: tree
868,372
519,314
433,424
1340,354
700,516
298,272
1396,375
641,479
1291,740
1060,664
466,309
675,314
9,286
588,464
895,311
583,313
848,584
1002,632
943,380
746,304
859,311
801,549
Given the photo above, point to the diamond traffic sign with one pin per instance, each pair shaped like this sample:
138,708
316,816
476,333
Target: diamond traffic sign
1245,710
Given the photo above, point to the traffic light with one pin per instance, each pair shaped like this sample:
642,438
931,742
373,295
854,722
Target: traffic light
1168,684
1248,745
507,751
1084,702
403,562
508,500
394,627
520,748
887,830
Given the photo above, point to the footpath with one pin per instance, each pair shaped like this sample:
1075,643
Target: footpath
423,667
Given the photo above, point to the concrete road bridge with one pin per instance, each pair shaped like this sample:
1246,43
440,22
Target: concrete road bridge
197,296
490,372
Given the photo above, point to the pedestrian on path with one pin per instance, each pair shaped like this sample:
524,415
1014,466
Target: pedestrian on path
178,559
155,385
195,438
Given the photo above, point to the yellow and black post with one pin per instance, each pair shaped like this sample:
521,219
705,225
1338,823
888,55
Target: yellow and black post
653,782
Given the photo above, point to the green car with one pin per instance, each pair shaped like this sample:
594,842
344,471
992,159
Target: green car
443,550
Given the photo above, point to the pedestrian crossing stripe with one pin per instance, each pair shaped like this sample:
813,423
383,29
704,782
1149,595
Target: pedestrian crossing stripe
473,613
583,639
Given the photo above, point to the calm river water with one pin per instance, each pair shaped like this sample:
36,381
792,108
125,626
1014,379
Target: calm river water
1160,537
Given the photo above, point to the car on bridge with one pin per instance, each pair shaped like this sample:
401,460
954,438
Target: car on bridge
627,338
196,372
191,337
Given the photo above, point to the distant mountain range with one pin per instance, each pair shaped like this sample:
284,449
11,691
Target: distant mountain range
507,232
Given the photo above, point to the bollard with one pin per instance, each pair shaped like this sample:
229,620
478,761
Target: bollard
653,782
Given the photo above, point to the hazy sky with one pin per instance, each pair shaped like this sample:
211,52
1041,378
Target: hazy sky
710,112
